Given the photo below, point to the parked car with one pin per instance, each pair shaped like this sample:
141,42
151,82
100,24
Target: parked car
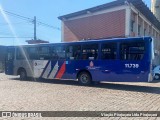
156,73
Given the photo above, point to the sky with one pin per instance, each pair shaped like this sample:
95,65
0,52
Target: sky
46,11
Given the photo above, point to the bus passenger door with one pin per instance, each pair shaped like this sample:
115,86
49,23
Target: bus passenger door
9,61
108,62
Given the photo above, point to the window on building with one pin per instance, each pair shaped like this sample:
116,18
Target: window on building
73,52
139,29
132,25
153,34
144,32
109,51
150,30
132,50
90,52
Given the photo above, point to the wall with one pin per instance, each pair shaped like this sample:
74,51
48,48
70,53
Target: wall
104,25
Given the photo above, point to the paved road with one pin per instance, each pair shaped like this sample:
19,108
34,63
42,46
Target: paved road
55,95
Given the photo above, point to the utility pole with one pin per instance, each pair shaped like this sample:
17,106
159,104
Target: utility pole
35,29
35,41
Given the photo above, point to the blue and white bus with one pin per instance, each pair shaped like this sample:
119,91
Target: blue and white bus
115,60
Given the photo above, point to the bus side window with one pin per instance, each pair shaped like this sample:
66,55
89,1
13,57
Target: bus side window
44,53
21,54
54,53
58,52
33,53
108,51
73,52
132,50
69,52
77,52
90,52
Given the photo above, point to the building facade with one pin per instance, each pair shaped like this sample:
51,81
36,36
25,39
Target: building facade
121,18
155,8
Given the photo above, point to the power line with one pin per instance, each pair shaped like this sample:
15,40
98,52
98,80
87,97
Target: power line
46,25
19,16
28,33
16,37
16,23
31,20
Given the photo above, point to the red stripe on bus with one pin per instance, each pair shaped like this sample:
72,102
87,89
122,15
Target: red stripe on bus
61,71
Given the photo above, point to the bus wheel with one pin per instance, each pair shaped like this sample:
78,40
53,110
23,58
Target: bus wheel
23,74
84,78
157,77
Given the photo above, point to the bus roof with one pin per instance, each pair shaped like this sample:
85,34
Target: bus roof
88,41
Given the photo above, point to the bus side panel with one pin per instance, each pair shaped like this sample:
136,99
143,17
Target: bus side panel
9,61
132,71
58,70
24,64
38,67
99,70
71,66
102,70
53,69
113,71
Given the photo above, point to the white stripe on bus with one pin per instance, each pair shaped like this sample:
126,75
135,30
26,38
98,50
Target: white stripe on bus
54,71
48,69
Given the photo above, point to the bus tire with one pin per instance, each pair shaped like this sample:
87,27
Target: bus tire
23,74
84,78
